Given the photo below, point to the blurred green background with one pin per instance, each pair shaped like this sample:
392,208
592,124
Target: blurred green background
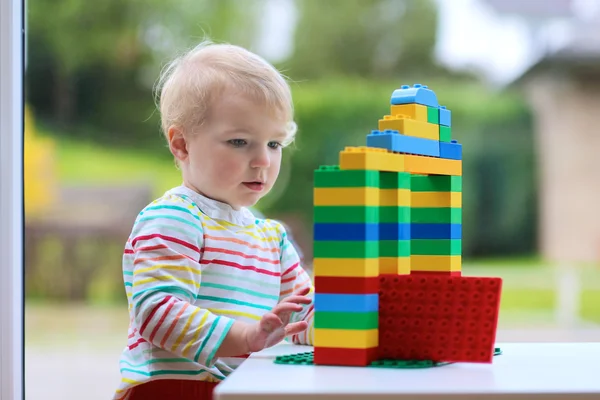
95,155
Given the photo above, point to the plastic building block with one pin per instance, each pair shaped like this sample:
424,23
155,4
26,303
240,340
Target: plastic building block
346,338
445,133
435,183
435,231
365,196
346,302
394,214
435,263
332,176
371,158
394,180
348,214
393,231
346,320
352,232
394,197
436,215
409,127
395,265
439,318
437,273
452,150
435,199
418,94
306,358
346,267
394,248
445,116
407,364
393,141
414,111
346,249
436,247
347,357
432,165
433,115
345,285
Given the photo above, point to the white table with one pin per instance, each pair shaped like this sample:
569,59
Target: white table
524,371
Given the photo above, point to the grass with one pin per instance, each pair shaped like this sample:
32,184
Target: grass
81,162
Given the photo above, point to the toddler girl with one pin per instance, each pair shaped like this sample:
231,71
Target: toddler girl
207,283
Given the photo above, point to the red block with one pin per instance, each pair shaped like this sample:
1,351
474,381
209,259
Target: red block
436,273
438,317
346,285
349,357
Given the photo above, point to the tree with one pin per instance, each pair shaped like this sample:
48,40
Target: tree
368,38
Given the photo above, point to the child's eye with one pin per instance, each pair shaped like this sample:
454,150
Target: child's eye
237,142
274,145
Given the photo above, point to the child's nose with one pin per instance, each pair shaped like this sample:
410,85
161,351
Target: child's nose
261,159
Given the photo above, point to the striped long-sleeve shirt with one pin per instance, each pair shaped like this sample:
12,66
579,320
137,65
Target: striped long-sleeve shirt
192,266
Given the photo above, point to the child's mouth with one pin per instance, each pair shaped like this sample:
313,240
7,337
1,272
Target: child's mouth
256,186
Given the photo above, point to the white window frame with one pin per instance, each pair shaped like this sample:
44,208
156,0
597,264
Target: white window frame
11,199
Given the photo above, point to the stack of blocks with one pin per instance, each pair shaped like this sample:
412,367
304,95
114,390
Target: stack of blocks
387,246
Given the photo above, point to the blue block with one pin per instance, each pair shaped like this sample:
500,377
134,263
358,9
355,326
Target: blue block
358,232
418,94
346,302
436,231
389,231
445,116
394,141
452,150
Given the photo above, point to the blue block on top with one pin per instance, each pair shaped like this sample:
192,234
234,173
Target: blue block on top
418,94
389,231
436,231
346,302
452,150
394,141
445,116
357,232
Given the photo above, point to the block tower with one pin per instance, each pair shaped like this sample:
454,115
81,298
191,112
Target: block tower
387,247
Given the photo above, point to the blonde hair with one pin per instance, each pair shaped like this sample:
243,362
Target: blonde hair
191,82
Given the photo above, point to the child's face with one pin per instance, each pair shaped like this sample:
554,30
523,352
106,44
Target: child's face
234,157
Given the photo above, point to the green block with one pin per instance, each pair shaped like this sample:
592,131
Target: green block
445,133
436,183
394,180
391,214
394,248
346,249
433,115
436,247
436,215
346,320
346,214
332,176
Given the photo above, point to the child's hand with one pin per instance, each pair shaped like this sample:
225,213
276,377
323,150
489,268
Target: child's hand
274,325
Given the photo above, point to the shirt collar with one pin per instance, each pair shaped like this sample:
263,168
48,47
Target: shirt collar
216,209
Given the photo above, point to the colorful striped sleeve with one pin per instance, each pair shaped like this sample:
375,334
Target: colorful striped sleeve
166,248
293,279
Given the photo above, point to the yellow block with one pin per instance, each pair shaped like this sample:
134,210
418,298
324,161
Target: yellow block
436,199
346,267
359,196
414,111
346,338
371,158
432,165
410,127
435,263
394,265
394,197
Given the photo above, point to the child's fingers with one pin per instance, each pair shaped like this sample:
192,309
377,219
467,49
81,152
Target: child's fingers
297,299
269,322
282,308
296,327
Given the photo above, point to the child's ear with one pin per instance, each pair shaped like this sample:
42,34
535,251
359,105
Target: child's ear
177,143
